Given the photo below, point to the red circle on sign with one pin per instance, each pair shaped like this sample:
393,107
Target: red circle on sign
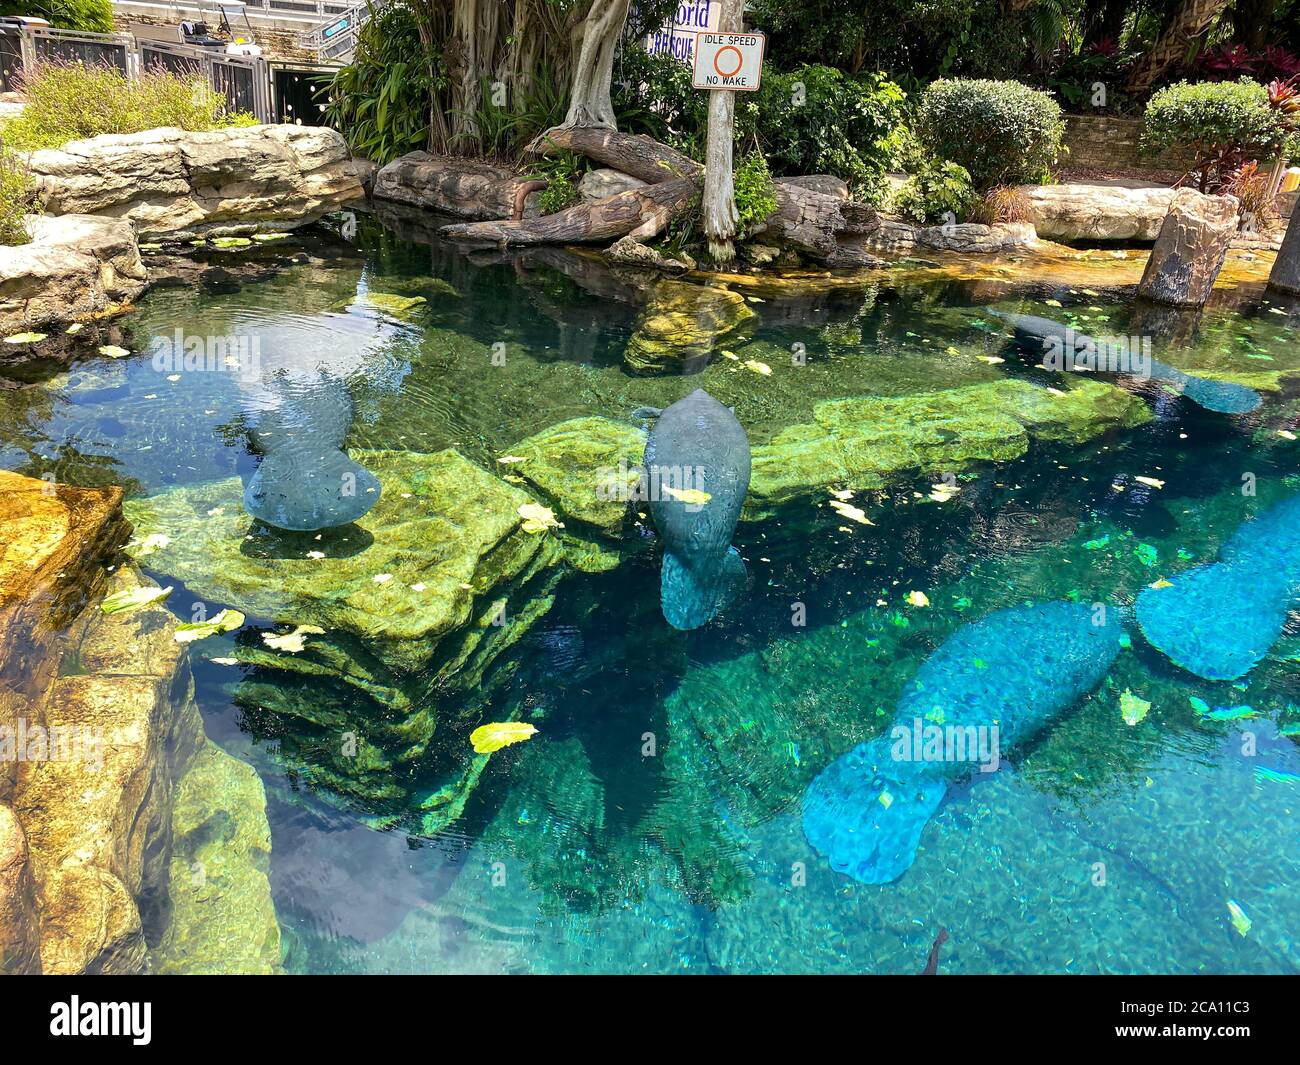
740,61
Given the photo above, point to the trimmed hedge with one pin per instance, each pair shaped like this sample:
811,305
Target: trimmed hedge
1230,121
1002,132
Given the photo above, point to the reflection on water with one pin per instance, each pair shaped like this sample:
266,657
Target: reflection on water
654,822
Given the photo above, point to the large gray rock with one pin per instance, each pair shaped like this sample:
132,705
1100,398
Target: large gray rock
1097,212
1190,249
604,182
74,266
459,187
896,237
173,183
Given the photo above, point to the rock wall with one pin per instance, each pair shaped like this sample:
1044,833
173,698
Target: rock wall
75,265
1107,142
180,185
99,736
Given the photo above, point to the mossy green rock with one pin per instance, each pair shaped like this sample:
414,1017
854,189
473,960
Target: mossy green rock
586,467
222,918
681,326
864,443
444,534
386,302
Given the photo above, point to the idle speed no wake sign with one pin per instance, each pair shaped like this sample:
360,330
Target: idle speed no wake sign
728,61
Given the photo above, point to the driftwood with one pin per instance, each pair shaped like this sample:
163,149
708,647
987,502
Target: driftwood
643,212
642,157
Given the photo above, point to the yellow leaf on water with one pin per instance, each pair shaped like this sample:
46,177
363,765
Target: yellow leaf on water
25,338
758,367
885,799
133,599
1151,481
226,620
694,496
1286,434
918,599
498,734
113,351
848,510
1239,919
1052,303
538,518
293,642
512,458
1133,708
1161,583
992,360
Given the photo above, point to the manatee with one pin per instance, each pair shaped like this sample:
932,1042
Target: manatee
697,462
1222,397
306,481
1219,620
1014,671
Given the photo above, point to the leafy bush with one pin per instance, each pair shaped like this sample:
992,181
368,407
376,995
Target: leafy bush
755,193
15,195
811,120
69,101
381,101
1252,187
1223,123
95,16
818,120
1002,132
935,194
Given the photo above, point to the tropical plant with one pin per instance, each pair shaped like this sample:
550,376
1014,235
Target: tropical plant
1000,205
940,192
1002,132
1223,124
15,198
1254,191
755,193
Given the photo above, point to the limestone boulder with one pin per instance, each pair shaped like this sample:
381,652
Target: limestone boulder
604,182
1189,252
450,185
179,185
630,252
1088,213
75,265
973,238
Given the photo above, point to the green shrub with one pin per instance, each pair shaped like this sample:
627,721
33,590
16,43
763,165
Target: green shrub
381,101
15,197
818,120
937,193
1002,132
1222,123
561,191
811,120
95,16
69,101
755,193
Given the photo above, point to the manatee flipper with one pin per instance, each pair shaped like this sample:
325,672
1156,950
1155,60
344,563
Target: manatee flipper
691,597
1222,397
308,490
865,812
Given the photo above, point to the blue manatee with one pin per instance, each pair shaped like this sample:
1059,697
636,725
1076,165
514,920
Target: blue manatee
1219,620
989,688
306,481
697,448
1222,397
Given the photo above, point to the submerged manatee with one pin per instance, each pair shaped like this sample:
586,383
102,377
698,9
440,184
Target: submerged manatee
697,459
1222,397
305,480
989,688
1219,620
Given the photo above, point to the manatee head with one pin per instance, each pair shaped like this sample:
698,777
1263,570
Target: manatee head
305,490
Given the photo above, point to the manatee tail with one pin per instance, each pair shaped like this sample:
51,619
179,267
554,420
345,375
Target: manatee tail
865,811
1222,397
308,490
691,597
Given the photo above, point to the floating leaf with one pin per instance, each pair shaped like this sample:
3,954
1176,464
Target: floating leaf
1098,544
1146,554
293,642
758,367
917,599
74,328
1151,482
382,578
133,599
848,510
226,621
113,351
1231,713
225,661
1199,705
1161,583
1132,707
694,496
1277,776
26,338
1239,919
511,458
151,543
885,799
498,734
538,518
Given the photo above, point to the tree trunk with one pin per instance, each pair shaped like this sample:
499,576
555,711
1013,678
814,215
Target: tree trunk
640,156
1104,19
1190,20
589,99
1251,20
1190,249
719,202
643,212
1285,276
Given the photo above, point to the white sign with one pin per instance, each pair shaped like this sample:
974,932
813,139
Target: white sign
677,35
728,61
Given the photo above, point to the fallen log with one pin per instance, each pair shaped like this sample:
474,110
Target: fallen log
642,212
642,157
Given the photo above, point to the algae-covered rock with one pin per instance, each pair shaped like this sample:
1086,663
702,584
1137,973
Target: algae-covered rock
682,325
387,302
222,919
865,443
408,573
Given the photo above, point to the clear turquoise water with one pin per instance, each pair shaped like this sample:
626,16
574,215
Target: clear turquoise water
1103,848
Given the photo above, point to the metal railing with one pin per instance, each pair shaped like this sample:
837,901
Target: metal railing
309,11
336,37
244,81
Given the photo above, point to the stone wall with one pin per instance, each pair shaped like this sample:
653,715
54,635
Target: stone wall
1106,142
